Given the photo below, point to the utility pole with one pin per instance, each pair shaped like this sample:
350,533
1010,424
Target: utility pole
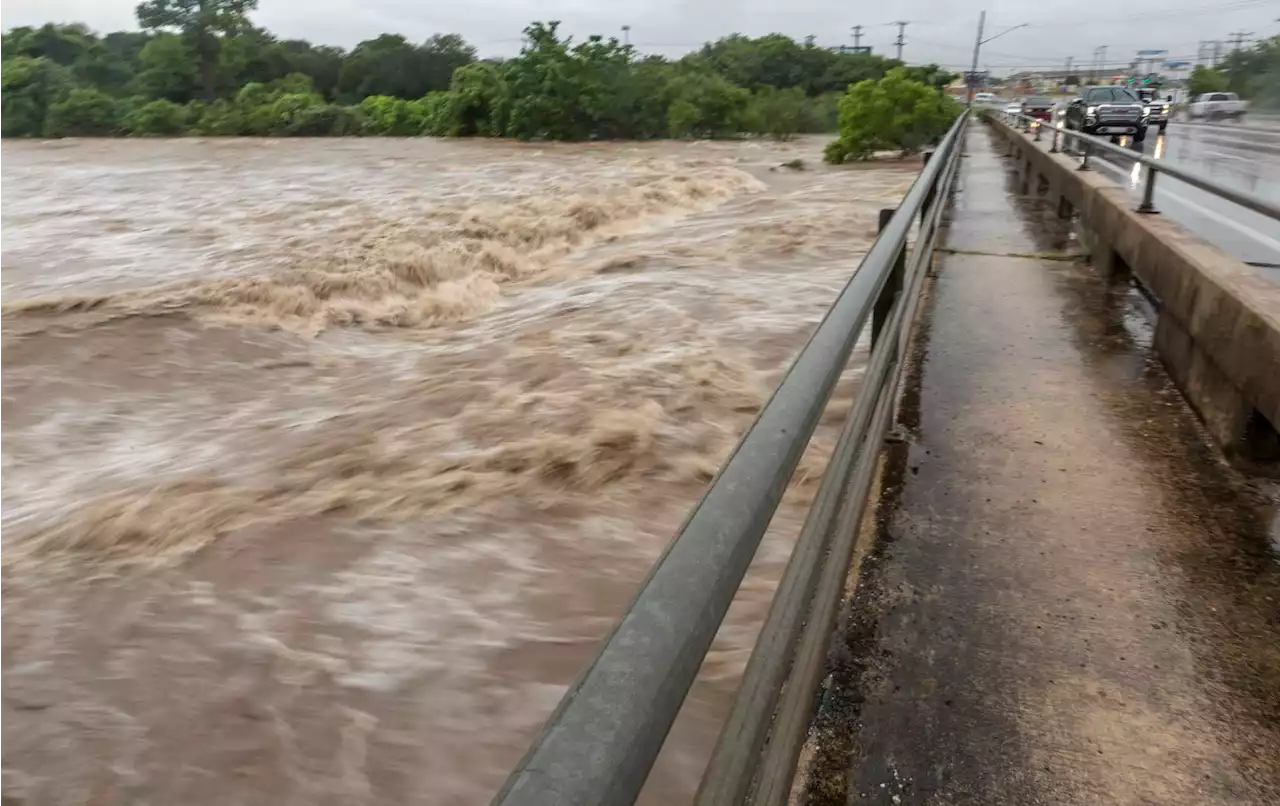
808,40
1238,39
1102,61
857,38
1066,74
1217,51
977,43
902,27
626,35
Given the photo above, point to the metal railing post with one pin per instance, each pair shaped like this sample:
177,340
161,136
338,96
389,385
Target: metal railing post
1088,145
600,743
1037,127
928,198
1057,135
1148,193
884,303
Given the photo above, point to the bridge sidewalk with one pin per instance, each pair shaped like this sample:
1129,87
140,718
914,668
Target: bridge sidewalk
1074,601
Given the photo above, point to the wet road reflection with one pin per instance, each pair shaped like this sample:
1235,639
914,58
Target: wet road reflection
1246,161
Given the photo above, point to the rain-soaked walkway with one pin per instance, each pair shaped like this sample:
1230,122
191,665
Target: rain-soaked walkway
1073,600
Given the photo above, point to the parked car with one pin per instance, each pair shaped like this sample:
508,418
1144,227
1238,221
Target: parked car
1109,111
1157,108
1216,105
985,98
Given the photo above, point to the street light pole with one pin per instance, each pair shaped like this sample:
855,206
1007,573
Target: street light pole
978,42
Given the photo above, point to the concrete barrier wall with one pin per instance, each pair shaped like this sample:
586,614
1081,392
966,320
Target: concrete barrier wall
1218,331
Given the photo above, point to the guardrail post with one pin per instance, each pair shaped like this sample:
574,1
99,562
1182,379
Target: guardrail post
1057,135
1036,126
1084,151
928,197
1148,193
884,304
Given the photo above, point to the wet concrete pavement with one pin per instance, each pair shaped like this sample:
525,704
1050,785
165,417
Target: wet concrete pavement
1072,599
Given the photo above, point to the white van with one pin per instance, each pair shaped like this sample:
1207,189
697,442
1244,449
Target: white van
985,98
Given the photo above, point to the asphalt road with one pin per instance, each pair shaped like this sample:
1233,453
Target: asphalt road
1245,157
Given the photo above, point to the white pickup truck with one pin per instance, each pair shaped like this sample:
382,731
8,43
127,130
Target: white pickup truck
1214,105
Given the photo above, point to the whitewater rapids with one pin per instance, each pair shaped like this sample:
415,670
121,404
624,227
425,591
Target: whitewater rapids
326,463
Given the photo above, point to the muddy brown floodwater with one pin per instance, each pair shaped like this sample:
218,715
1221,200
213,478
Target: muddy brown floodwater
328,463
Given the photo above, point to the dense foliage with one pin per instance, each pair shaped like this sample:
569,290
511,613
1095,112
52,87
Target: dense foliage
1254,73
203,68
1206,79
892,113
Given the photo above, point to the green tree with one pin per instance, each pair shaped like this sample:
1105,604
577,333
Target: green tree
477,103
247,56
61,44
28,86
778,61
200,21
704,105
1204,79
544,87
84,112
438,58
221,118
321,63
1254,73
437,114
780,114
167,69
324,120
159,118
892,113
382,114
391,65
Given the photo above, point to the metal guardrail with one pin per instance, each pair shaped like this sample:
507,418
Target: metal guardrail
1091,144
601,741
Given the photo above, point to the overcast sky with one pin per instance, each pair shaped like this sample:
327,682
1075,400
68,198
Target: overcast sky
939,31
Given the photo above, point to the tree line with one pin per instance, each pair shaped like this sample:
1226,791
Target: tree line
203,68
1250,72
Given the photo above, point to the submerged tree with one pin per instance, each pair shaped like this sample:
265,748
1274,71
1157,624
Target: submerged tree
894,112
200,21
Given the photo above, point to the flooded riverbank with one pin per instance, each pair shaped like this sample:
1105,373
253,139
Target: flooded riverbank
327,463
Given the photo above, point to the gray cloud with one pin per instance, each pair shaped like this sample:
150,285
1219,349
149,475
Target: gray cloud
938,31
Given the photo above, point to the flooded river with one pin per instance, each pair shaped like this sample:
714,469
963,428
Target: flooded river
327,463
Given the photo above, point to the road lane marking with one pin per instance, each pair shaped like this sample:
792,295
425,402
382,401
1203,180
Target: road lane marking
1243,229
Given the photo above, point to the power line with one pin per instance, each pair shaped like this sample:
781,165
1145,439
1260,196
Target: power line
1237,38
1153,16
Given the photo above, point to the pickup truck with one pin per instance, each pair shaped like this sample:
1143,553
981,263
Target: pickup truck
1157,108
1215,105
1112,111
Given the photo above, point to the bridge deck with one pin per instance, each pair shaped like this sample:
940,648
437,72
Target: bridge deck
1074,601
